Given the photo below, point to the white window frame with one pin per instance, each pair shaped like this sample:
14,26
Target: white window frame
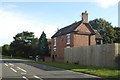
54,49
67,46
54,41
68,37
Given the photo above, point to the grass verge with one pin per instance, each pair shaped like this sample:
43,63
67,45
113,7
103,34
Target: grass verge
9,57
101,72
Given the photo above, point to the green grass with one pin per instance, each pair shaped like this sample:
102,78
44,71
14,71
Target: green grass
9,57
101,72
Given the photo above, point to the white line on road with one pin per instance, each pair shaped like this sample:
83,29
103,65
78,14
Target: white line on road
23,73
25,78
13,69
6,64
37,77
11,64
22,69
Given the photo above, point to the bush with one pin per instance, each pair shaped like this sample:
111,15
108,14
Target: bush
117,61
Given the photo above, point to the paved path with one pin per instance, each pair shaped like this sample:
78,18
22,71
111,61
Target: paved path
25,70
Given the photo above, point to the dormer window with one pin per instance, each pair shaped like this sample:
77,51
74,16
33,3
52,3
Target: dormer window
68,38
55,41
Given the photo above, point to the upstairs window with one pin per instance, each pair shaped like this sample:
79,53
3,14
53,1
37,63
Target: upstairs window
68,38
55,41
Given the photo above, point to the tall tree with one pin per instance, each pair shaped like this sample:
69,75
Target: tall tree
105,28
22,44
6,50
43,48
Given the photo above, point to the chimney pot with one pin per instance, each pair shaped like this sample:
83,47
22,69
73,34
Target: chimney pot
85,17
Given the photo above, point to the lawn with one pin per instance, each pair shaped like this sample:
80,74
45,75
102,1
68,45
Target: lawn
101,72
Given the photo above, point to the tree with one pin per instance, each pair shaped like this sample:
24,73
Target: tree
6,50
22,44
117,34
43,48
105,28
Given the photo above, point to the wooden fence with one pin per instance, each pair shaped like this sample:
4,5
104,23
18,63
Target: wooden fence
99,55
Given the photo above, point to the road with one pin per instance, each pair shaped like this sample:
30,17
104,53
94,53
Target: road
16,69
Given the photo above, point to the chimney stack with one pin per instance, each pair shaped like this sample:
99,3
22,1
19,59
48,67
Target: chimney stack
85,17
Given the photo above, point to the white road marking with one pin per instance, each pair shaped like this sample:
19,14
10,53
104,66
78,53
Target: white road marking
13,69
23,73
37,77
25,77
22,69
11,64
6,64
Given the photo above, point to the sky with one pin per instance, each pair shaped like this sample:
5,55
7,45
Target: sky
48,16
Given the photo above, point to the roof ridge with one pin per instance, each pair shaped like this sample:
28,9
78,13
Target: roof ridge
67,29
69,25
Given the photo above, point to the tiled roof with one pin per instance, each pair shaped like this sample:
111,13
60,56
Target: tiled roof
67,29
71,28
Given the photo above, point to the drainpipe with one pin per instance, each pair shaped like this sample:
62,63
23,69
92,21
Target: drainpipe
89,39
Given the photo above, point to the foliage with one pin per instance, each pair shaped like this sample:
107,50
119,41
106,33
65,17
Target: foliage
105,28
43,49
6,49
22,44
25,45
117,34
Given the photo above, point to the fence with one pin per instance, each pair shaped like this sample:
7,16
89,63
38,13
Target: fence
99,55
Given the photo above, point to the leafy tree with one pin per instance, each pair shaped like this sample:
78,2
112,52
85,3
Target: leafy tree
117,34
43,48
34,47
105,28
22,44
6,50
49,43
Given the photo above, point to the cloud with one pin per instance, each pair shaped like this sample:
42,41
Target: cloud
12,23
106,3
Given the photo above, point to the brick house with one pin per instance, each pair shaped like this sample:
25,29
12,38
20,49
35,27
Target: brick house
75,35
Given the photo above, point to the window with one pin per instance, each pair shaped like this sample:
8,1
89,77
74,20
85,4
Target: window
54,49
68,38
55,41
67,46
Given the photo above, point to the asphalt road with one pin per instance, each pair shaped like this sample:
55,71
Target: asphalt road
16,69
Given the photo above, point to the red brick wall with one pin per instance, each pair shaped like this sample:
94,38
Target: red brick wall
83,40
80,40
93,41
75,40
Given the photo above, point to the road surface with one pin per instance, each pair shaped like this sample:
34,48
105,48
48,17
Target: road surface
16,69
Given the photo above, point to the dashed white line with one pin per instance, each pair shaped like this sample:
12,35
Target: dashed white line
6,64
37,77
23,73
13,69
22,69
11,64
25,77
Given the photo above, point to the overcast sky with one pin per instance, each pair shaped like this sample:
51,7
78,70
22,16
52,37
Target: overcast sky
38,16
